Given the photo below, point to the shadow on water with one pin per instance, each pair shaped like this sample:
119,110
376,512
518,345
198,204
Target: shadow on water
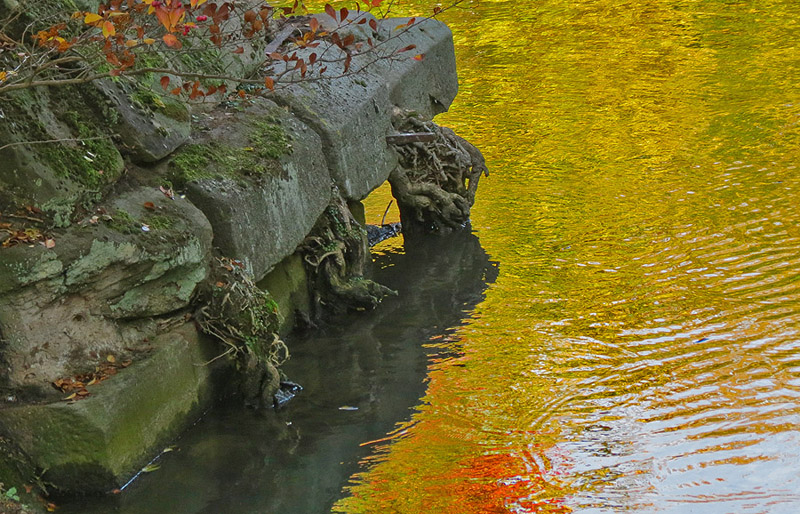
361,377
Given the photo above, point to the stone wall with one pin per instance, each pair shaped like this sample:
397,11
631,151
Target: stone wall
250,182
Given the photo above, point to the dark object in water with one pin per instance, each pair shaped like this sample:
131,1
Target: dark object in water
378,233
286,392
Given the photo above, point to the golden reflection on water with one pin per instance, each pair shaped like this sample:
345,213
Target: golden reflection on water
640,348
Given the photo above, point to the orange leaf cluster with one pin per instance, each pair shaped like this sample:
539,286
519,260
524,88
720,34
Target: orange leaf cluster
76,386
51,38
28,236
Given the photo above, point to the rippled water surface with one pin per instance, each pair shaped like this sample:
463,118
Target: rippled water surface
639,349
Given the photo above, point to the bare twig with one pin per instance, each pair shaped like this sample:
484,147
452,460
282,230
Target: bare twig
16,216
45,141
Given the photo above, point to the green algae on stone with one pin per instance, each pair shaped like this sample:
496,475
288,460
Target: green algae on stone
268,142
59,175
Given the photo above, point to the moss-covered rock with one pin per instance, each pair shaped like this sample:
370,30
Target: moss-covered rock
96,444
98,290
59,153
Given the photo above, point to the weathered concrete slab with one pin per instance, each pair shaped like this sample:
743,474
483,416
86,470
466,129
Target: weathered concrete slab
259,177
262,185
55,177
352,113
427,86
96,444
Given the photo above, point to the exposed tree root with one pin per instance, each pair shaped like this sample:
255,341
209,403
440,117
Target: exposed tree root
336,255
245,319
435,182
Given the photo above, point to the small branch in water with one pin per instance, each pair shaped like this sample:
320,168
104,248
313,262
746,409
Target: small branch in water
383,220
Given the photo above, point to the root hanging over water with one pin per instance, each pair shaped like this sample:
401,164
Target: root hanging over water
246,320
436,181
336,254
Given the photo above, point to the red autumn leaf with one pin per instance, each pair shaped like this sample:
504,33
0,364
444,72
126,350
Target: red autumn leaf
418,57
241,93
239,50
344,13
376,3
165,82
170,18
406,49
176,91
313,24
373,24
330,11
222,13
349,40
269,83
150,206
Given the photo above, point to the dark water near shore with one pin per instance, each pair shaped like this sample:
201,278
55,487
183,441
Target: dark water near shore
640,348
360,378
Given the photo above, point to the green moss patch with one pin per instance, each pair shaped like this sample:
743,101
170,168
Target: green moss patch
268,142
123,222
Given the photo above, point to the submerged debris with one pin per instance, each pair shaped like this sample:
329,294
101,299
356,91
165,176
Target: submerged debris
285,393
378,233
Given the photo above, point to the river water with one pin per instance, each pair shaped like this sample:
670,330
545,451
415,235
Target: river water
636,348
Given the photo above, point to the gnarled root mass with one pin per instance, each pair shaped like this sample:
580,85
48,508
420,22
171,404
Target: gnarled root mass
245,319
436,181
336,255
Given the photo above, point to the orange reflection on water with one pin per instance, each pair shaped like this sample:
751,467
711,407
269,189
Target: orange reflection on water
640,349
